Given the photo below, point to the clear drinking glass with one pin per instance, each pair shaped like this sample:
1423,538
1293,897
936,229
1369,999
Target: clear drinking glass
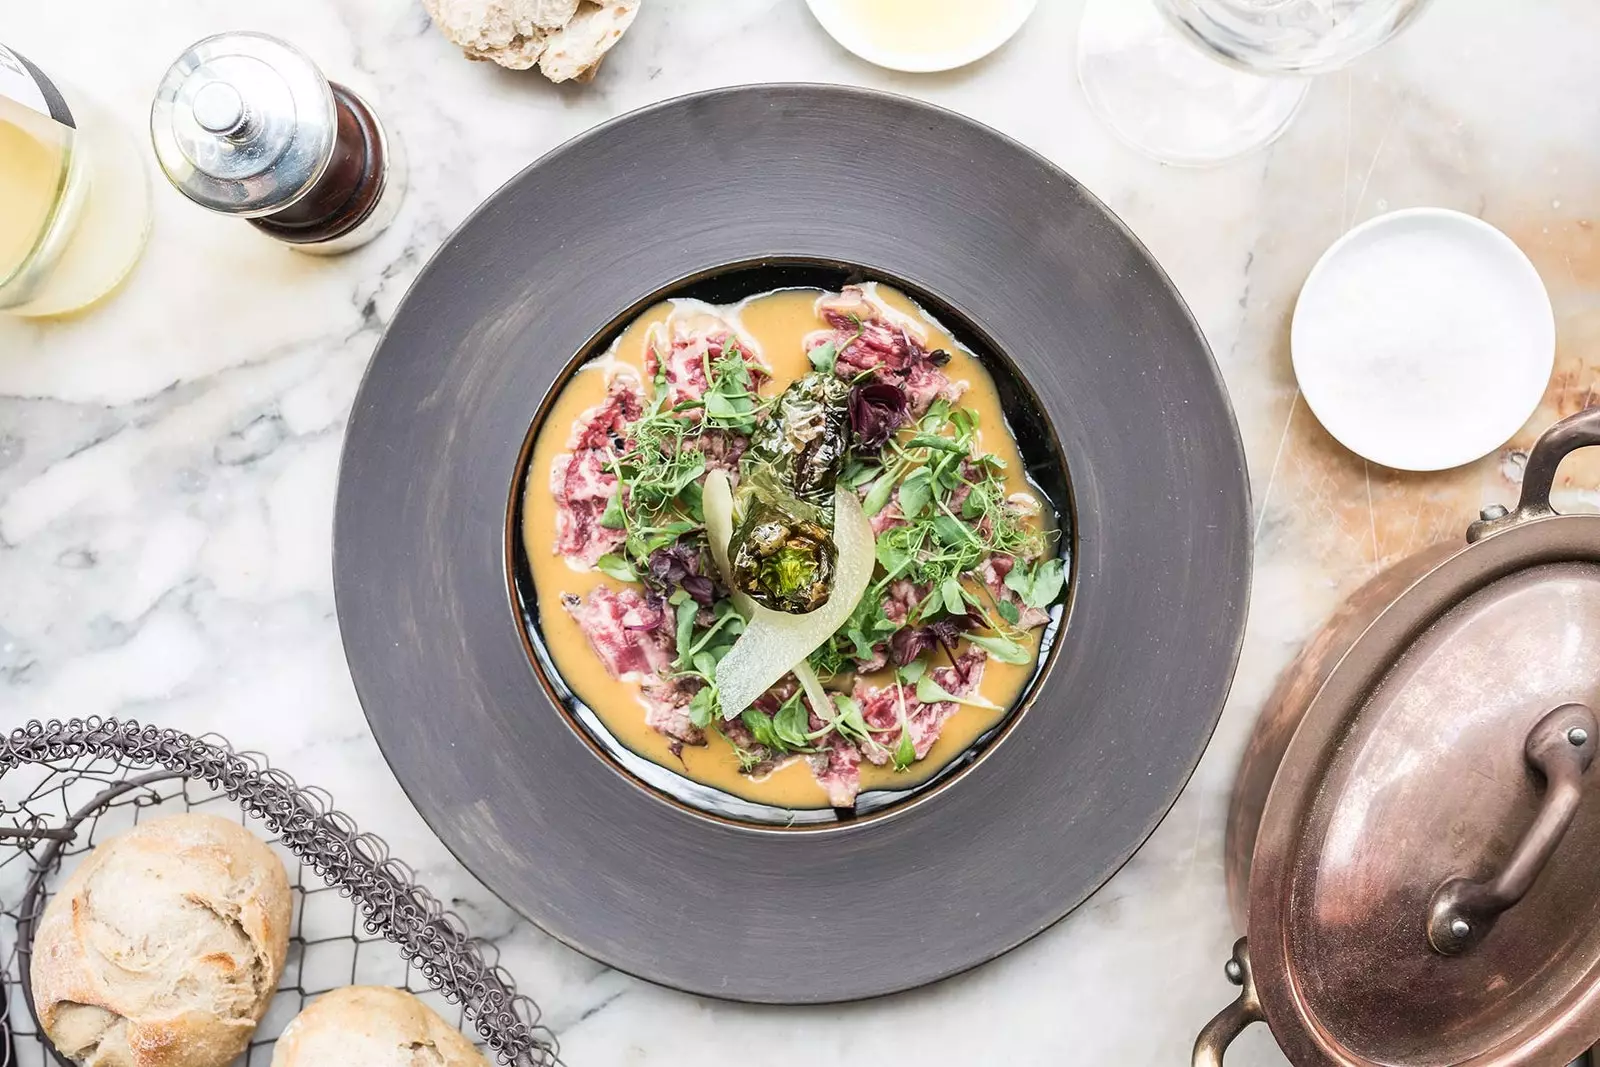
74,197
1195,82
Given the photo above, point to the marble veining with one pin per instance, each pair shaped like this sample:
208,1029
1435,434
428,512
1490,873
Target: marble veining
168,462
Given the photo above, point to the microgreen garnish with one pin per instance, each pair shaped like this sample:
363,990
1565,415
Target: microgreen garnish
791,722
1037,586
950,513
1001,648
931,692
824,357
848,722
731,402
905,753
616,567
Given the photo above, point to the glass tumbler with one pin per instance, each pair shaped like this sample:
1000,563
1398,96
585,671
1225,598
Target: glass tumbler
74,197
1197,82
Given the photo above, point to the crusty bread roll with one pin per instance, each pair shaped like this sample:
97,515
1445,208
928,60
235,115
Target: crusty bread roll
165,946
566,38
372,1026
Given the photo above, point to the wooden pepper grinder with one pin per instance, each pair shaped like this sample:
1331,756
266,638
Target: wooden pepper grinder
246,125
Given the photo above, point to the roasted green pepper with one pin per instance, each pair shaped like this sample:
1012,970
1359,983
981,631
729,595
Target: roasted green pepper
782,554
804,439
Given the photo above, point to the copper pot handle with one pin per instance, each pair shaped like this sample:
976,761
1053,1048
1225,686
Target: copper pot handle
1230,1022
1539,474
1561,746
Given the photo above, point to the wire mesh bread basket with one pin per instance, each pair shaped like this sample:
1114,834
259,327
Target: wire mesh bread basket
359,915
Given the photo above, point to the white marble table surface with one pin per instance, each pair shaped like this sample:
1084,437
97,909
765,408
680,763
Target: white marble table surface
167,463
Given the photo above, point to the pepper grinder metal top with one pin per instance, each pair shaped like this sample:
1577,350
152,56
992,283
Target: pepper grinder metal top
245,124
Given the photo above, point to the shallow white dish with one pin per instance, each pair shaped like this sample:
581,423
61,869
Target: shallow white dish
1423,339
873,41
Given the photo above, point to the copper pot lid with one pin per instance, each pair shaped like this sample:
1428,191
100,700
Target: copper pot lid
1424,886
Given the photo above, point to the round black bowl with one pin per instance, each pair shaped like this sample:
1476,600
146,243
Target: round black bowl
1044,466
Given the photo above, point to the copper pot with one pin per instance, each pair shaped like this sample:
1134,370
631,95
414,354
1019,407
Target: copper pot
1414,829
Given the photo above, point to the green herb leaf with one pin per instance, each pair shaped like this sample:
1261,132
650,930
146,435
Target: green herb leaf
850,721
690,474
824,356
703,706
954,602
856,473
650,539
947,471
1020,578
730,402
931,692
691,497
976,504
705,662
934,441
952,533
1008,611
687,609
936,417
905,753
789,725
612,518
827,659
912,671
729,623
916,492
1001,648
617,567
759,723
878,497
720,407
1048,579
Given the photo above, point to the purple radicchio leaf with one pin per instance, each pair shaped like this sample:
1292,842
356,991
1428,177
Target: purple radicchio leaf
701,588
909,644
877,410
679,565
906,645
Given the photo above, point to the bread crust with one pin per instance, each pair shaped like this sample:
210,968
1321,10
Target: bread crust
372,1026
164,947
565,38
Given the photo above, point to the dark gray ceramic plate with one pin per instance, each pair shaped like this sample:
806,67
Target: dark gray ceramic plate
1109,372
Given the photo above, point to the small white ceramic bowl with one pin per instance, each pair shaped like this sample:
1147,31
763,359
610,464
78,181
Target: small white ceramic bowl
1423,339
1000,21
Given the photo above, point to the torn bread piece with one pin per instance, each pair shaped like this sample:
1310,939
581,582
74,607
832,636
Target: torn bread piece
574,53
566,39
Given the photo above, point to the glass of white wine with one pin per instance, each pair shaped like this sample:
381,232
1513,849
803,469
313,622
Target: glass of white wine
74,195
1197,82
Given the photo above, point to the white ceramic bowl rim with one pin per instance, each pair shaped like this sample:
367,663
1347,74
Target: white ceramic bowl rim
835,19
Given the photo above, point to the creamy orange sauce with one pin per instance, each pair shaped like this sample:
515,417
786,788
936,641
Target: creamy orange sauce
777,323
